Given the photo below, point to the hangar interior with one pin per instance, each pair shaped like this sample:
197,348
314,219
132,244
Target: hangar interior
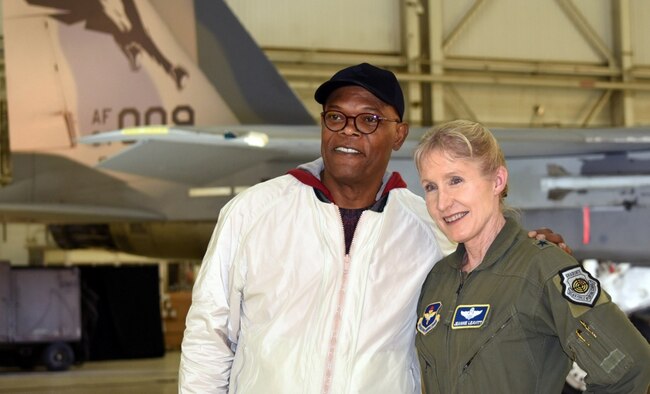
562,64
505,63
566,64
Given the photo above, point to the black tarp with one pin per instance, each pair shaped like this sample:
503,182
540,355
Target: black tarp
121,312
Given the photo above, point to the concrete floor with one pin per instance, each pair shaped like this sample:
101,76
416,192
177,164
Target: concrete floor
145,376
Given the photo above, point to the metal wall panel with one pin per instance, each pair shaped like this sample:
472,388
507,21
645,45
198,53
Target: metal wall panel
514,106
641,105
532,29
640,25
538,63
360,25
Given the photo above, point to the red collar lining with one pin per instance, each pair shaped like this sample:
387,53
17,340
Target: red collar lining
394,182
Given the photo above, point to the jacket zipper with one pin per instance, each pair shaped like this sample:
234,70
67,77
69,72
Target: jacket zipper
336,324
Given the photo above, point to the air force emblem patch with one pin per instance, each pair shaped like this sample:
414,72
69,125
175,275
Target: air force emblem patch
430,317
579,287
470,316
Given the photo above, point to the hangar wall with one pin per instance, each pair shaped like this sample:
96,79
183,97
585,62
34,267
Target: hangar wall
16,240
506,63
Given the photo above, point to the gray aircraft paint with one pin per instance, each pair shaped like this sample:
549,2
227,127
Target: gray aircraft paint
228,55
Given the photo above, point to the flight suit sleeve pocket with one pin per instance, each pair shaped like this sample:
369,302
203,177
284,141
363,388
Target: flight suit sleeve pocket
599,353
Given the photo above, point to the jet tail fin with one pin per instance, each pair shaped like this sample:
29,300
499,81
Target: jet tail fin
85,67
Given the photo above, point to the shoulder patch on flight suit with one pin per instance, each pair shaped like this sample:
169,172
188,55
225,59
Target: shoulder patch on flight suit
430,317
578,286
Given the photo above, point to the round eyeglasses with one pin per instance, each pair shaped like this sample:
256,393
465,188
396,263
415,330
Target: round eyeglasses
365,123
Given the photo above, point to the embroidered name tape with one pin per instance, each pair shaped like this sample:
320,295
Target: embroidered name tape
470,316
579,287
430,317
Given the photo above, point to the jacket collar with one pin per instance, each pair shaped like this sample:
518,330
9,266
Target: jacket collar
309,174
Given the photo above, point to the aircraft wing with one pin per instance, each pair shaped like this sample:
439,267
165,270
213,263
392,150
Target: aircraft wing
548,142
570,142
200,155
54,188
69,213
192,156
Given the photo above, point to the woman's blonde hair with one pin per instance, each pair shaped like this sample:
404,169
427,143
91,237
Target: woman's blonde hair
463,139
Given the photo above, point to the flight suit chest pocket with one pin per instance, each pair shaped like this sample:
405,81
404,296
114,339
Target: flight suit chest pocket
503,342
498,353
492,334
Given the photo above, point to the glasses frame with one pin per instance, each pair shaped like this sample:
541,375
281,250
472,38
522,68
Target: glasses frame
354,121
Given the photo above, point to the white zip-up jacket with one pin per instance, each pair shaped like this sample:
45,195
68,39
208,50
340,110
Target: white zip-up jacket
279,307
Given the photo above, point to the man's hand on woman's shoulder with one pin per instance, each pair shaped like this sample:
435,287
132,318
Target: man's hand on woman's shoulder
549,235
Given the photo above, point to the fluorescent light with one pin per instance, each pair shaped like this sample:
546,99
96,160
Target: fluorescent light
254,138
239,189
145,130
221,191
218,191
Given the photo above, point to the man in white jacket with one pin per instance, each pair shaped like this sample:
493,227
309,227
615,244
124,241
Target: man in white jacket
311,280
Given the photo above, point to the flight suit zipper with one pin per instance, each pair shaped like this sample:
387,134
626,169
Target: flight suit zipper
461,283
449,321
486,343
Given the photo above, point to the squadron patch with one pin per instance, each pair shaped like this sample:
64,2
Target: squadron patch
430,317
579,287
470,316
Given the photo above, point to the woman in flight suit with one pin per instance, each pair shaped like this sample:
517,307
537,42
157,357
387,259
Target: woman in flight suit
505,313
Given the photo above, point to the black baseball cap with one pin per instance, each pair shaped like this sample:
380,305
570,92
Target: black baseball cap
382,83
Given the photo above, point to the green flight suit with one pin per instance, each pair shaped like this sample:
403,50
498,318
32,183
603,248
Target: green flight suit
518,319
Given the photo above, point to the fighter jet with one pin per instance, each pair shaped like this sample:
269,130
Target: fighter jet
128,134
